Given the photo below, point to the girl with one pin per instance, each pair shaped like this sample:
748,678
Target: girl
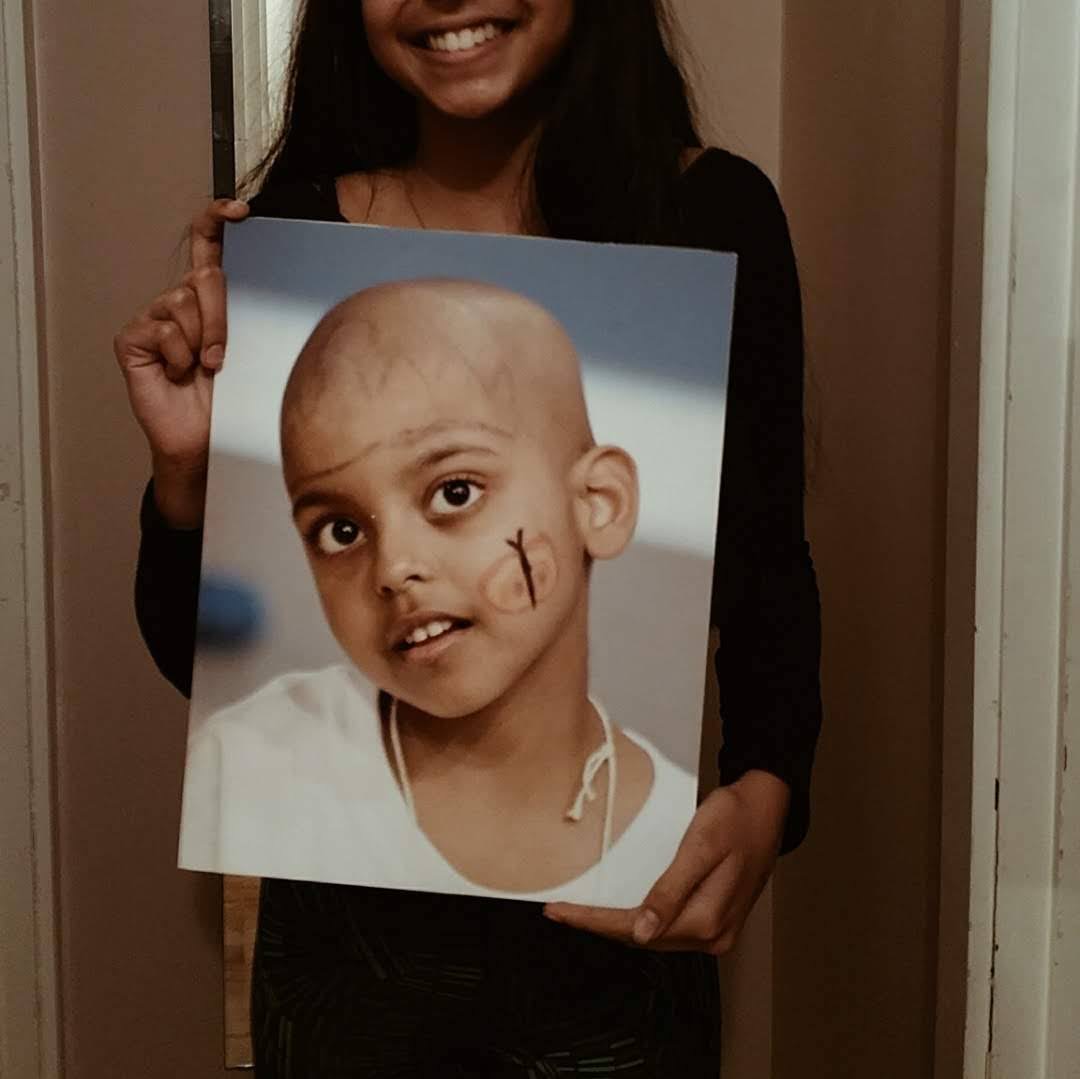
566,118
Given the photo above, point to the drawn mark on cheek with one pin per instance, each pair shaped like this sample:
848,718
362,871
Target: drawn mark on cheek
522,580
526,566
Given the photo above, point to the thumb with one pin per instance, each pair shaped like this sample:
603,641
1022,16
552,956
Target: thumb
693,862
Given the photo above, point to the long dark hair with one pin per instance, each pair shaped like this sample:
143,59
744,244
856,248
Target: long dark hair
607,161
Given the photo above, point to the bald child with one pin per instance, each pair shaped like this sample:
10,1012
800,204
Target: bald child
451,499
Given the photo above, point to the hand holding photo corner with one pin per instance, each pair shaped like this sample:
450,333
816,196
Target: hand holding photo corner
701,902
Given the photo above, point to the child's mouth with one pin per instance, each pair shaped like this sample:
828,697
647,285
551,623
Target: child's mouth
431,638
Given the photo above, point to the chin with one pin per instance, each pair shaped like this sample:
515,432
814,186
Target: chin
455,694
468,111
468,103
451,704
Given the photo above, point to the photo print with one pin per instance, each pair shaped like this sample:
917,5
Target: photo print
458,560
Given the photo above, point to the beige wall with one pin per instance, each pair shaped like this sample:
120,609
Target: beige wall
123,126
867,160
733,58
850,110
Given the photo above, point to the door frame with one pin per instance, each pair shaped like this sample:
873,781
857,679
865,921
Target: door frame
29,1000
1024,839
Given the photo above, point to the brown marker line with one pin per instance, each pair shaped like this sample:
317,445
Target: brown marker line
526,566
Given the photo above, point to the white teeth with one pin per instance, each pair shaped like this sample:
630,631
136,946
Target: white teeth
426,633
460,40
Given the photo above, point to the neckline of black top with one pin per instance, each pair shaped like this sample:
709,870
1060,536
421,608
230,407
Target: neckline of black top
328,189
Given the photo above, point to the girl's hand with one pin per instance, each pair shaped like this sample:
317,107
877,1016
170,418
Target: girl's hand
168,354
720,869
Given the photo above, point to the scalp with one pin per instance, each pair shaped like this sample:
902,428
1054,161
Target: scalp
439,329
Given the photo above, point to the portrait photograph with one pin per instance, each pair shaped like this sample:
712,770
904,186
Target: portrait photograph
457,566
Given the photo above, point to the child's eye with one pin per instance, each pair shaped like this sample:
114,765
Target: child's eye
453,496
337,535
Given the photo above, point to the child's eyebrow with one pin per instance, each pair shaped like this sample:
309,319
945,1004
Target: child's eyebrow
409,436
310,498
438,454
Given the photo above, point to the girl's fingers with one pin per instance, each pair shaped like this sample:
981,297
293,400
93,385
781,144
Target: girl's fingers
616,923
177,355
710,913
208,287
693,862
133,346
137,345
148,343
208,227
708,921
180,305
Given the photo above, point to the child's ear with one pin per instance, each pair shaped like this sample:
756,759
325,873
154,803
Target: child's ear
605,485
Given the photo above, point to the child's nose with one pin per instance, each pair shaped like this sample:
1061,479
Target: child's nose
397,573
397,580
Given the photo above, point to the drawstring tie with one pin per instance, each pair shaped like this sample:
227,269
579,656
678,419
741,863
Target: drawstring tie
587,792
603,754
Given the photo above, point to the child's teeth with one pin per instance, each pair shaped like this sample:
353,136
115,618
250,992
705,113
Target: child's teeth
425,633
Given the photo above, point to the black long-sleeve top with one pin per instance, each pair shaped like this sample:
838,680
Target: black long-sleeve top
765,598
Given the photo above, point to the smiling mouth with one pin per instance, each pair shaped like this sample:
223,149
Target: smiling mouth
467,38
436,632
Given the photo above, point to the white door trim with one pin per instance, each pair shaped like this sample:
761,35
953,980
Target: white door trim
1024,479
29,1007
251,89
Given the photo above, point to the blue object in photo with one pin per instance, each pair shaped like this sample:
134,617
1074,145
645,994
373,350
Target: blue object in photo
230,613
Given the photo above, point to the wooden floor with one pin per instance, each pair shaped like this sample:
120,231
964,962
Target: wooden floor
241,915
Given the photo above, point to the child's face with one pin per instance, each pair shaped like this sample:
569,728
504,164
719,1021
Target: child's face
439,527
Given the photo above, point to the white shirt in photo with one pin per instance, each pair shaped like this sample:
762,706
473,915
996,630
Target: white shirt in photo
293,782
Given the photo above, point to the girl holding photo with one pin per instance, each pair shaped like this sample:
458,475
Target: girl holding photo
562,118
